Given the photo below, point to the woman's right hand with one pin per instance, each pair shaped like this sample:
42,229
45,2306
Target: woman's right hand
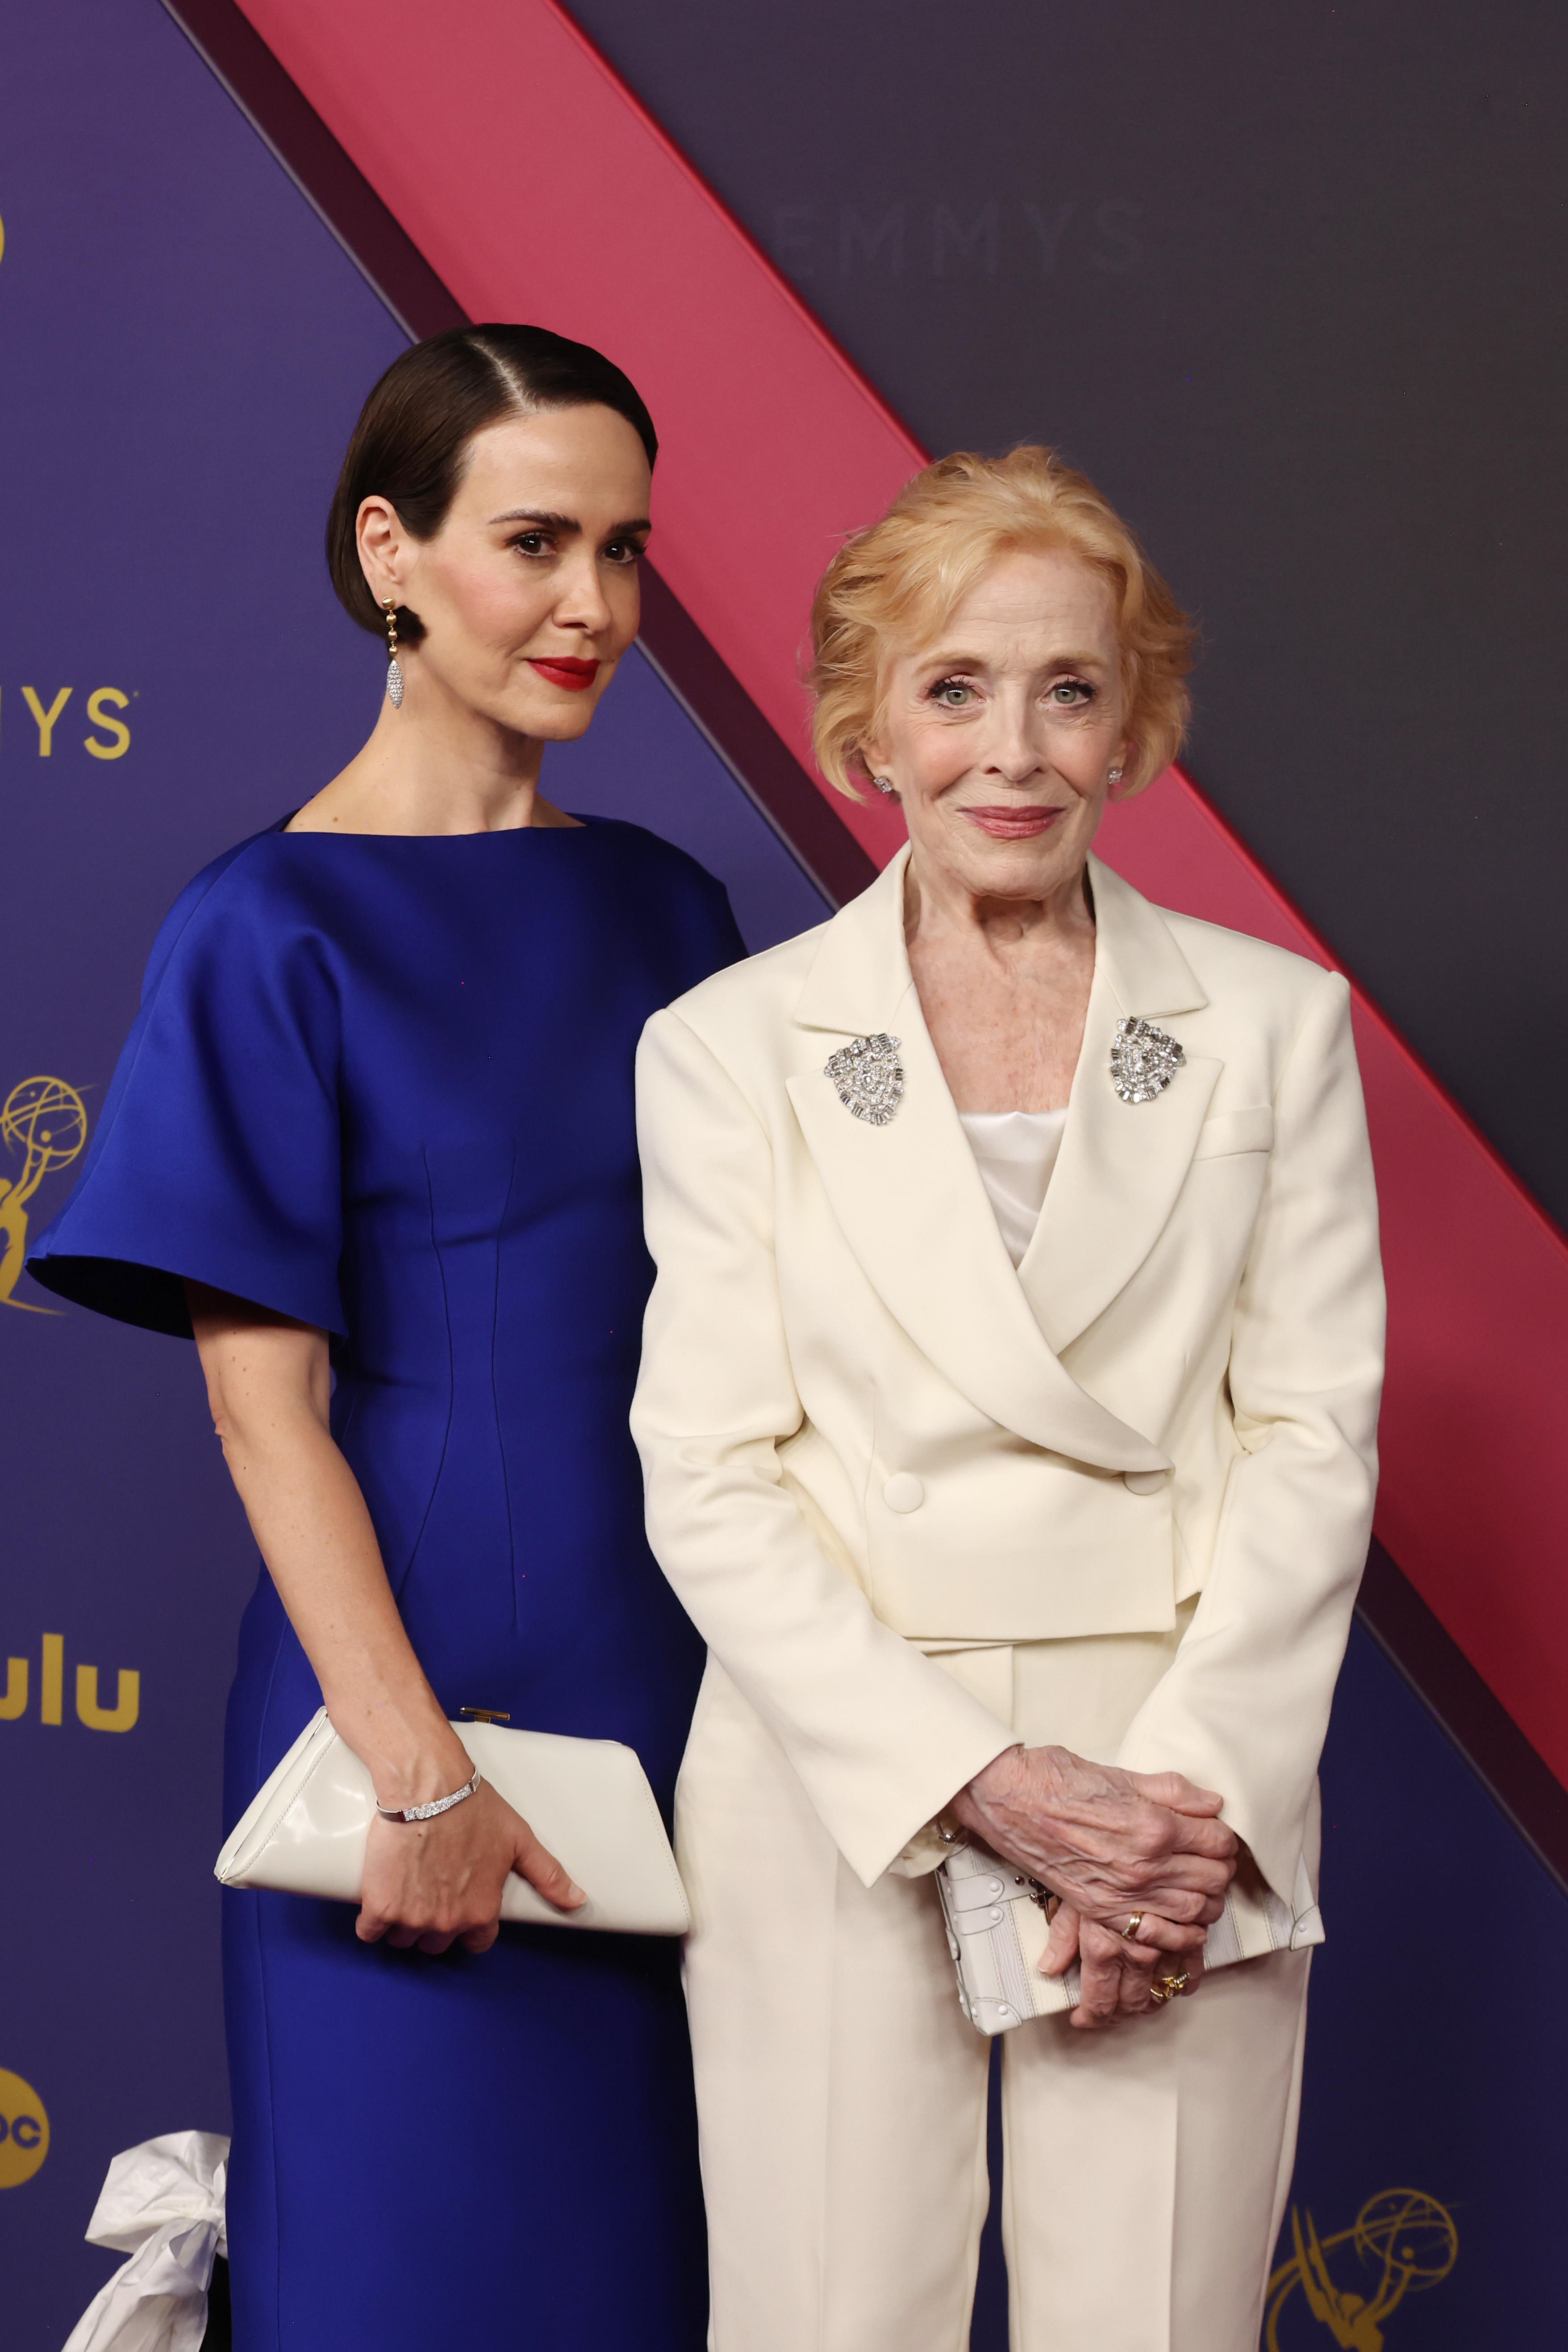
1109,1842
440,1882
432,1883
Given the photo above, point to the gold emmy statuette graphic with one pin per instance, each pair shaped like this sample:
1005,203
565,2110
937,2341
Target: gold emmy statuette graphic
23,2131
1403,2242
46,1121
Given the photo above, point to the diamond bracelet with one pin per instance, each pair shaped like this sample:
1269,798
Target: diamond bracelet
439,1805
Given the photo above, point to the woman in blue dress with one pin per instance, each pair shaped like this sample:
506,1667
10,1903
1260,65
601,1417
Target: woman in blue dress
375,1120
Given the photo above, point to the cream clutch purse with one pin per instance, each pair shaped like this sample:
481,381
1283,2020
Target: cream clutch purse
996,1930
587,1800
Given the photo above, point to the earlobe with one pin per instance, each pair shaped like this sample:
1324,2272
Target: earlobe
865,768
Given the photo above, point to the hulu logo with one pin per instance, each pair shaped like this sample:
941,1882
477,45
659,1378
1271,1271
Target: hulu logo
121,1717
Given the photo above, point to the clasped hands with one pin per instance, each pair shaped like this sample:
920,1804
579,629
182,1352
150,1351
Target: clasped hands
1108,1843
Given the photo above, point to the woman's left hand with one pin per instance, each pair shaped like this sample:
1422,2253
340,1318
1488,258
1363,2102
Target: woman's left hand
1117,1974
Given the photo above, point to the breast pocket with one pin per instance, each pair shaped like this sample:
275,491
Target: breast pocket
1232,1131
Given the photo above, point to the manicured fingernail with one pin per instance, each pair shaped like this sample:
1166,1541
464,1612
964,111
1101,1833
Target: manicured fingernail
575,1893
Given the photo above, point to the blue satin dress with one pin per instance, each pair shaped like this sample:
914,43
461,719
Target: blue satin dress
383,1084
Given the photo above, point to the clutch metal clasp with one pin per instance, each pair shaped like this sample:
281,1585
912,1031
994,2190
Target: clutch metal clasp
485,1713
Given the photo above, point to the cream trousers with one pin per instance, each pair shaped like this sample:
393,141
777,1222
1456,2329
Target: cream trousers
842,2096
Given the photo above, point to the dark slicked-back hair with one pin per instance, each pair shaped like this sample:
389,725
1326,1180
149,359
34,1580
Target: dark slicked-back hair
415,429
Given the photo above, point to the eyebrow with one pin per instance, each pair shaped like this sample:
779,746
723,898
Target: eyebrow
950,660
568,525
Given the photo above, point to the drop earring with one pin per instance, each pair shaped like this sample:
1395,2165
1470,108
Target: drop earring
393,674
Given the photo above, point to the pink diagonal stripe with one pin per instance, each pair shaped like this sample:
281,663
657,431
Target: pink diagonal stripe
538,187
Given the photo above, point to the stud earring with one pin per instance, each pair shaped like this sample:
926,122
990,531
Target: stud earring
883,786
1115,777
393,674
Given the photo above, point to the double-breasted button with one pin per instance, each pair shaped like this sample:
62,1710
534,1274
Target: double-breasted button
1144,1482
903,1492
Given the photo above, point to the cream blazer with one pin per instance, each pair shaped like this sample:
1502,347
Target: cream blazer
866,1436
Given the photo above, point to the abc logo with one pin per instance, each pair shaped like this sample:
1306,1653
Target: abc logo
23,2131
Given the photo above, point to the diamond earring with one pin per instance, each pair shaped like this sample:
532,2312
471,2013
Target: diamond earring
883,785
1115,776
393,674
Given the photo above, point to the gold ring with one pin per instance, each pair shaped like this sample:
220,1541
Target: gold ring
1133,1926
1165,1988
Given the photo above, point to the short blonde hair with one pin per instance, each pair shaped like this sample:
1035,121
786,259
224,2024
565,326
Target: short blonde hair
897,581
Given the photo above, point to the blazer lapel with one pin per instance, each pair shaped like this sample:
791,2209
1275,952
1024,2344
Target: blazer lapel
909,1199
1122,1164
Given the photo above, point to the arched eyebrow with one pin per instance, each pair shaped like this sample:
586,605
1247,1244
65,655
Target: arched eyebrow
957,657
567,525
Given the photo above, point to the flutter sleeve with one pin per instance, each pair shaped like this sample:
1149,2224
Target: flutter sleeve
217,1155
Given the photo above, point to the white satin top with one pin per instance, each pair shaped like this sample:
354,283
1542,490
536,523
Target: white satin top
1016,1152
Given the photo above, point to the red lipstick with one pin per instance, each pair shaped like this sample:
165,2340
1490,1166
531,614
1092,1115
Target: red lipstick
562,670
1011,822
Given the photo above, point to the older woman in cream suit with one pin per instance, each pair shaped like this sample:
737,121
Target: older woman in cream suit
1008,1412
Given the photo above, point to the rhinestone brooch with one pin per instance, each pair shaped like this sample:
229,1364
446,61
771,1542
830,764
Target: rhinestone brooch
868,1078
1143,1061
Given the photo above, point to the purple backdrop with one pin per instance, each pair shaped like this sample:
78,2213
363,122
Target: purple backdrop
186,349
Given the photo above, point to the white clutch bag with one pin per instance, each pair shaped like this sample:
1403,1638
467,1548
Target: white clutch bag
587,1800
996,1931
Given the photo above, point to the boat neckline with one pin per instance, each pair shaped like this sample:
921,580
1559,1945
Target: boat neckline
486,832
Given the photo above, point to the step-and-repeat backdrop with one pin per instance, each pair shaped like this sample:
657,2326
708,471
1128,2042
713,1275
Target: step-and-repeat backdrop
184,349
